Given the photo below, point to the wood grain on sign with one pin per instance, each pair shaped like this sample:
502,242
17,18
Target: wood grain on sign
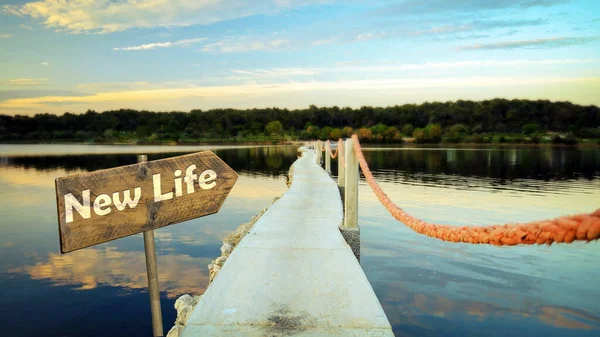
109,204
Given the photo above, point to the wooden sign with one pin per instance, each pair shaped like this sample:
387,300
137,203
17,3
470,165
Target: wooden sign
109,204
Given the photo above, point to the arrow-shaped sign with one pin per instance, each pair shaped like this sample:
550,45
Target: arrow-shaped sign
109,204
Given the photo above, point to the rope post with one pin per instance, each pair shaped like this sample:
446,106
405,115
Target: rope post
350,230
328,157
318,149
341,164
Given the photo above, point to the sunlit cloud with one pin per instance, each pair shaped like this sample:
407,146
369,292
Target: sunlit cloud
7,244
90,268
45,63
148,46
300,94
5,36
561,317
28,81
534,44
106,16
26,27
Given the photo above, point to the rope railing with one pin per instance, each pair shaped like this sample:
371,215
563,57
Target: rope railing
334,155
565,229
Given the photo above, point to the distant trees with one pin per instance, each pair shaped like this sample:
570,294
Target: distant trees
364,134
408,129
335,134
427,122
274,128
530,128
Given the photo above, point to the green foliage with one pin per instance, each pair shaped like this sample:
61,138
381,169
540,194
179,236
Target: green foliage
274,128
530,128
392,135
459,130
313,132
590,132
477,139
324,134
567,139
378,129
335,134
534,139
459,119
408,129
142,131
419,135
364,134
433,133
347,131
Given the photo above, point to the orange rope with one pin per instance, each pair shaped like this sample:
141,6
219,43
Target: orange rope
333,155
582,227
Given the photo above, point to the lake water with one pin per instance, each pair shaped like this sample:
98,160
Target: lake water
427,287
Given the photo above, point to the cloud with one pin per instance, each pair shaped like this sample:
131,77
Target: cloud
106,16
277,72
148,46
27,81
438,6
354,67
243,44
29,93
533,44
26,27
322,42
299,94
45,63
369,36
5,36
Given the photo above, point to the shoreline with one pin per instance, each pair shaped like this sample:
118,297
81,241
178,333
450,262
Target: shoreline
589,144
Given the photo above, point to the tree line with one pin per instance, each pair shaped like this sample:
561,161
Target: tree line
427,122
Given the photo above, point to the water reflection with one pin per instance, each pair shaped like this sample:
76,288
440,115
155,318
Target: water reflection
91,267
427,287
268,160
504,165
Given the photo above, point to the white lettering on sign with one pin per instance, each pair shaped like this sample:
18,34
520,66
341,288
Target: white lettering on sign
205,178
137,192
72,203
103,200
158,196
102,203
189,178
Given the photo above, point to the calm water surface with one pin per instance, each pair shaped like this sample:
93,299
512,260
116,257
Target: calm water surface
427,287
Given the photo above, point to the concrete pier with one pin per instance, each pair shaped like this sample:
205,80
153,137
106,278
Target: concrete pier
293,274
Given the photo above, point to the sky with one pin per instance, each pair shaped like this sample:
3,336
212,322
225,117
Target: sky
166,55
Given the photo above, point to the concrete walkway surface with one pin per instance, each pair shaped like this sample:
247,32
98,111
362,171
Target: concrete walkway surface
293,274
